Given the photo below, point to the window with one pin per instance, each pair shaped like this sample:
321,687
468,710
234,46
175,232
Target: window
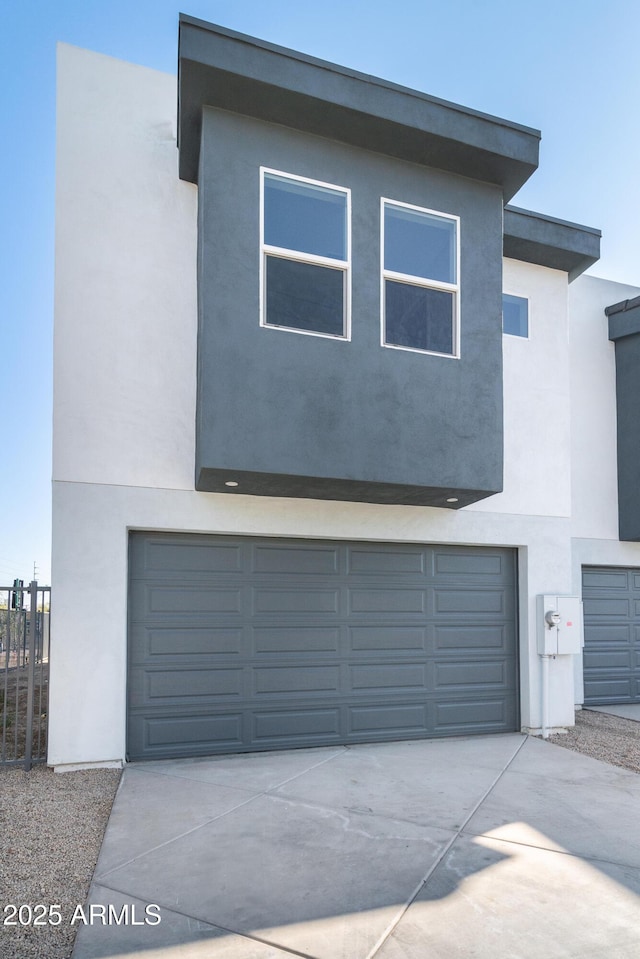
420,294
515,315
305,255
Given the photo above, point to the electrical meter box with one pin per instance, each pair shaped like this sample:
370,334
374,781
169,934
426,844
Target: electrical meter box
559,625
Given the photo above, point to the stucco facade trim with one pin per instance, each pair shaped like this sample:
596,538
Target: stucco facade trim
222,68
547,241
624,331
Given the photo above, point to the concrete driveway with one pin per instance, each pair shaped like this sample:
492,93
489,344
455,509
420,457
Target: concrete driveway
497,847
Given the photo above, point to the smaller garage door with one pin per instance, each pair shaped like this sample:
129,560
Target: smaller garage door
611,597
240,644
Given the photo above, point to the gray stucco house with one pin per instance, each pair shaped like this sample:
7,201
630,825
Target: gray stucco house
331,414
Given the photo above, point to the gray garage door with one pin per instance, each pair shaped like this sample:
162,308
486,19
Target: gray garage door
239,644
611,598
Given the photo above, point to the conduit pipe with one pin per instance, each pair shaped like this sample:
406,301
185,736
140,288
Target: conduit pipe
545,696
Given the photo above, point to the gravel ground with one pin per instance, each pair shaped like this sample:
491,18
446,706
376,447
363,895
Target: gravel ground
603,736
52,826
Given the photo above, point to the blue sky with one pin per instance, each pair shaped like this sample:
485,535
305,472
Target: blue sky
567,67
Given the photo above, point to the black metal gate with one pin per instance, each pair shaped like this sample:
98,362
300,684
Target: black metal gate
25,621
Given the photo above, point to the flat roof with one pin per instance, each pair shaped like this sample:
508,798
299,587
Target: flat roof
547,241
624,318
222,68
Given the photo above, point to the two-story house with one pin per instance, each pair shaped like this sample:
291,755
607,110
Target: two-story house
330,414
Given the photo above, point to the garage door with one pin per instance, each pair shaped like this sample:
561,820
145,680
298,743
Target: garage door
239,644
611,598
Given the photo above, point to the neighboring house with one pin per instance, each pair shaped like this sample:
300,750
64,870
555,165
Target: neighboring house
305,489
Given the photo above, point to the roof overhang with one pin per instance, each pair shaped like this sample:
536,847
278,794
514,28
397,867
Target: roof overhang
221,68
546,241
624,318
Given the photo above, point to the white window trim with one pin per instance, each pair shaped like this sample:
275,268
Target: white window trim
420,281
515,336
267,250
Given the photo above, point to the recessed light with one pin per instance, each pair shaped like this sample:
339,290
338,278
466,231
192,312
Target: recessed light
452,499
230,483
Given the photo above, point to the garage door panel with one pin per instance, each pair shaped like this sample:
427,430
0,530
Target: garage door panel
295,680
388,563
160,559
150,644
485,601
291,726
387,601
609,635
608,580
603,690
189,735
386,677
170,687
610,658
166,600
472,636
611,602
303,600
458,716
167,556
298,561
393,639
466,566
607,607
398,720
302,640
191,685
464,674
312,642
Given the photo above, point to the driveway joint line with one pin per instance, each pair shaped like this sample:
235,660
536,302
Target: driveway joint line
205,922
291,779
171,775
253,796
190,779
423,882
181,835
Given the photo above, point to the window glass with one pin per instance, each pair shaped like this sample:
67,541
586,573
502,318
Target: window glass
420,275
305,256
304,217
418,317
515,315
419,244
304,296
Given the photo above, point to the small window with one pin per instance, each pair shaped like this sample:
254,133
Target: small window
420,269
515,315
305,255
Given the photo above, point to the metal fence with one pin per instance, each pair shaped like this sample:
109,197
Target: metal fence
25,621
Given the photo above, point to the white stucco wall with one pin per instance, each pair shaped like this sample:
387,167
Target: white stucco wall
594,477
124,411
91,522
536,399
125,301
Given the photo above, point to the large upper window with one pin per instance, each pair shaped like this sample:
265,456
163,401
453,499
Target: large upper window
305,255
420,291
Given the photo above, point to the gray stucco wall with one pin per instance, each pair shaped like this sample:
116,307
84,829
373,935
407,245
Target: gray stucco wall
624,330
302,415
